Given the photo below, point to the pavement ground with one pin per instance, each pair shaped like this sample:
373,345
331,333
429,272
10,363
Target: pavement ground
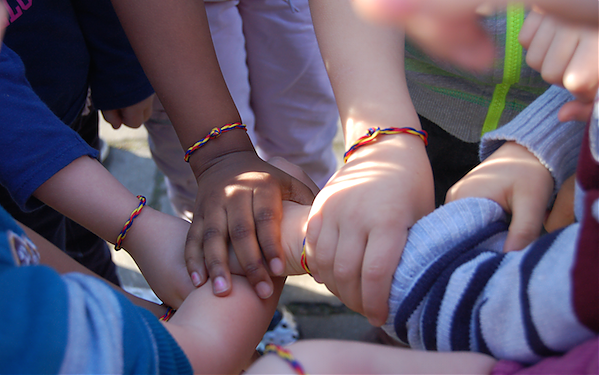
318,312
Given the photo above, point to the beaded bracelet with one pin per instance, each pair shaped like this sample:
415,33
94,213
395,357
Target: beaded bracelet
286,355
214,133
374,132
129,223
303,260
168,314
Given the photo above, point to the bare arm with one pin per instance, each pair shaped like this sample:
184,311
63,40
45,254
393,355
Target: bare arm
220,335
351,245
88,194
239,195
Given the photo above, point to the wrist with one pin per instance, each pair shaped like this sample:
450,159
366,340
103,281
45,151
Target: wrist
398,148
218,148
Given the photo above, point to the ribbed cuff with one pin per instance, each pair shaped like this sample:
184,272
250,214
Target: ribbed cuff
556,144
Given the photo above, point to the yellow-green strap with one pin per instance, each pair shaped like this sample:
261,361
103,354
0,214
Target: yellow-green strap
511,66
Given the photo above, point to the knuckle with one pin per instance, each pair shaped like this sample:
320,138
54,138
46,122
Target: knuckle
343,273
265,215
253,270
213,263
373,273
240,231
210,233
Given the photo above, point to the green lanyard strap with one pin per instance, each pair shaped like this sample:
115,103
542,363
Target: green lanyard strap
511,67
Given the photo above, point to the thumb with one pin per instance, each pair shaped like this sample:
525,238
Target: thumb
299,193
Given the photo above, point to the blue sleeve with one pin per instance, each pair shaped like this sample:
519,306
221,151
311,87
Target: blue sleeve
34,144
73,323
455,290
117,80
555,143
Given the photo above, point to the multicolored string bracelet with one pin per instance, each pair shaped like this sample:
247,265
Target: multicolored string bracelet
168,314
214,133
374,132
129,223
303,260
287,356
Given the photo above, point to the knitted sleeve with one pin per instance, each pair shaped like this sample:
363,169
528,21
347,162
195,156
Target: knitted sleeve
455,290
537,128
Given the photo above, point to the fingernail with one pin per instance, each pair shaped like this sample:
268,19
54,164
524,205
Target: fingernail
264,290
195,279
276,266
219,285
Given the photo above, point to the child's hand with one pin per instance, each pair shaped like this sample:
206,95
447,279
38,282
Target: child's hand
240,199
564,54
451,29
359,221
157,242
513,177
133,116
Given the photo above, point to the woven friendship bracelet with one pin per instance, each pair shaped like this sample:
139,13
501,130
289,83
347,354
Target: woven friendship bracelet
303,261
168,314
374,132
129,223
214,133
287,356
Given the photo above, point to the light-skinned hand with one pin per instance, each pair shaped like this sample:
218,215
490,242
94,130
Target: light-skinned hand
133,116
515,178
451,30
359,221
566,55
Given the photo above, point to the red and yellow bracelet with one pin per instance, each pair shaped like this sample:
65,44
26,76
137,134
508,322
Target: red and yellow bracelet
129,223
214,133
303,261
168,314
374,132
286,355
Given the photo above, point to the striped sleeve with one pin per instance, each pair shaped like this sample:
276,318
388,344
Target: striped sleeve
455,290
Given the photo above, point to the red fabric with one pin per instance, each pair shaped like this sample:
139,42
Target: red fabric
585,273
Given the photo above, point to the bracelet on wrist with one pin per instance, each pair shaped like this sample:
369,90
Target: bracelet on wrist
303,261
287,356
214,133
129,223
374,132
168,314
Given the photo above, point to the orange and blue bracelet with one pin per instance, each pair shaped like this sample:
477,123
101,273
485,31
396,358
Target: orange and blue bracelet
214,133
287,356
129,223
374,132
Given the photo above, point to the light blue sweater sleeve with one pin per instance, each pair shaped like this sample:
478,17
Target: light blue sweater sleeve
455,290
555,143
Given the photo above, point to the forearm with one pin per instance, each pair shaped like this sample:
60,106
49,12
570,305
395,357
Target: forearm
348,357
219,335
53,257
87,193
366,68
172,41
